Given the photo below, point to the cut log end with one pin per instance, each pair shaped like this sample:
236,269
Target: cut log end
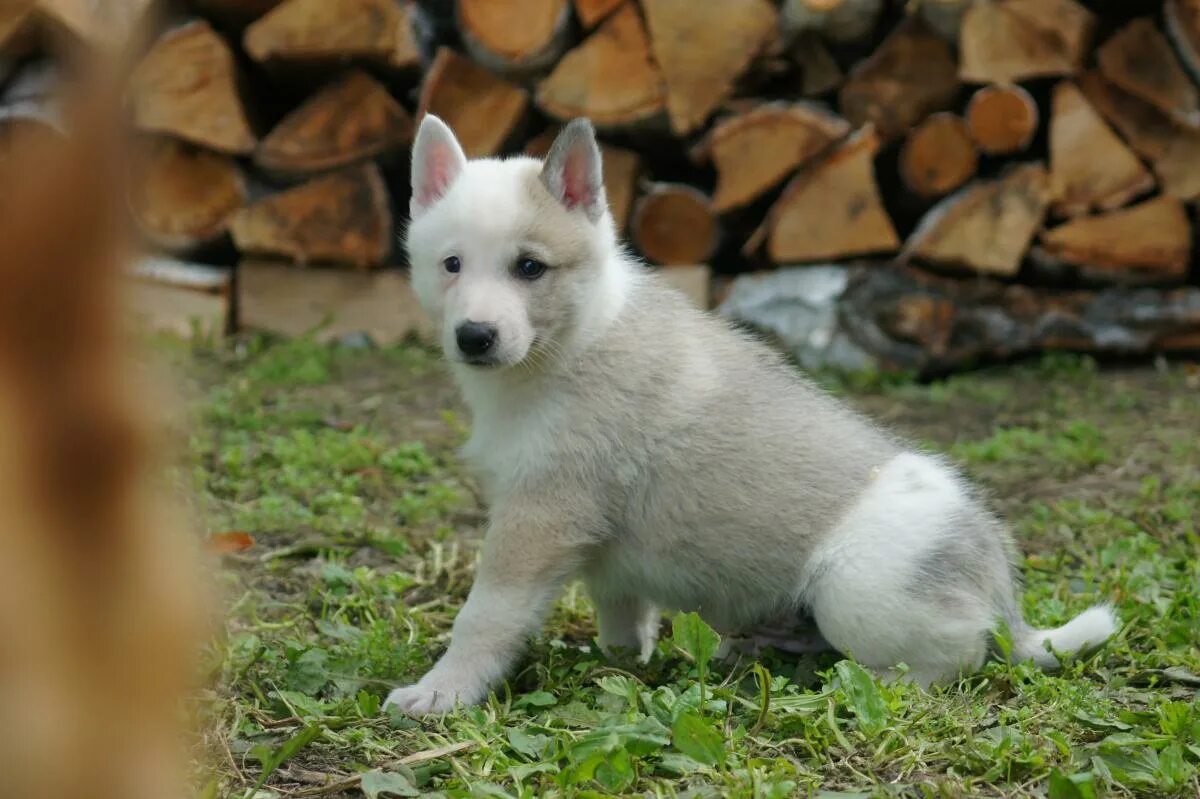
609,78
673,224
702,49
1002,119
515,37
1021,39
341,218
938,156
482,109
1139,59
351,119
183,197
985,227
592,12
305,32
912,74
1090,165
1153,237
186,86
756,150
832,209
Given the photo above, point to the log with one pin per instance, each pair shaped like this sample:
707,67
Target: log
183,197
1002,119
985,227
1172,150
106,28
186,299
330,304
915,321
755,150
838,20
938,155
819,72
340,218
609,78
322,32
1152,238
831,209
1182,18
912,74
515,37
702,48
349,120
187,86
482,109
620,169
1007,41
1089,164
1139,59
591,12
673,224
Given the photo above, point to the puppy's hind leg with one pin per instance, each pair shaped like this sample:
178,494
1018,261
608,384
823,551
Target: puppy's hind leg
625,624
911,574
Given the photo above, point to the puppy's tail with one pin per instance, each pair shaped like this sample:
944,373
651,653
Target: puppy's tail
1086,631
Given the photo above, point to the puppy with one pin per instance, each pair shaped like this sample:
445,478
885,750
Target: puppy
623,436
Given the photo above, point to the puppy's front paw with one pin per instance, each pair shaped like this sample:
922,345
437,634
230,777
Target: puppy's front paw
421,700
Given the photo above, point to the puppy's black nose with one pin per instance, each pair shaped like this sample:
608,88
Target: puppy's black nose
475,338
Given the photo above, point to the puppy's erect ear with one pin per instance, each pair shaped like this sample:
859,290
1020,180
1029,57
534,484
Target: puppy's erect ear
571,172
437,161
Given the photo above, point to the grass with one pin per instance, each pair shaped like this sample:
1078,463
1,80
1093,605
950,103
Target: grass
339,463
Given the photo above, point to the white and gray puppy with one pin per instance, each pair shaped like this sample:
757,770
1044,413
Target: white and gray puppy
623,436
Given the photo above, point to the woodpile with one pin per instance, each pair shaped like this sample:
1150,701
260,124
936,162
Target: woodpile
1039,142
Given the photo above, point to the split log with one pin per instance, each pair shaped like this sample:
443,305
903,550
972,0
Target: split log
591,12
183,197
187,86
352,119
985,227
620,169
1183,26
938,155
1172,150
1002,119
320,32
178,297
702,48
1152,238
933,325
482,109
831,209
1089,164
943,16
674,224
515,37
912,74
755,150
109,28
329,303
342,218
1139,59
819,72
837,20
1006,41
610,78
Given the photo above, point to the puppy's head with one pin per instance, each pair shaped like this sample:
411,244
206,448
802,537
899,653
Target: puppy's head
511,258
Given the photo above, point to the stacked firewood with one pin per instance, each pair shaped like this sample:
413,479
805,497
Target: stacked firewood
1054,143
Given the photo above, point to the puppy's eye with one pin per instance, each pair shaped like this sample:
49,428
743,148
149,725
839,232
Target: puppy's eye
452,264
530,269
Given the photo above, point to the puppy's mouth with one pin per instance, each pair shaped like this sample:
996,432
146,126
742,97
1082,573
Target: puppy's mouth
482,361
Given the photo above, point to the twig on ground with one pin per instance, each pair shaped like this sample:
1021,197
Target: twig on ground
349,783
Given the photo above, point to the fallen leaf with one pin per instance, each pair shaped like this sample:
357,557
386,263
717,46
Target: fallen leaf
224,543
